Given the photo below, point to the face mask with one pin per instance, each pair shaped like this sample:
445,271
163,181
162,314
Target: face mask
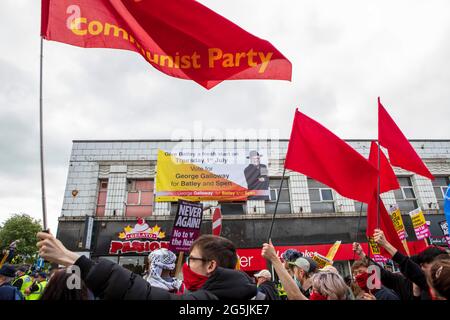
193,281
317,296
361,281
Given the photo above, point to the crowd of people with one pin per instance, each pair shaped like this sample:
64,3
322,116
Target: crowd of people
210,273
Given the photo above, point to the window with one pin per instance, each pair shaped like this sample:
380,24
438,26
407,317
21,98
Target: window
440,184
284,204
405,196
139,198
358,206
321,197
101,198
233,207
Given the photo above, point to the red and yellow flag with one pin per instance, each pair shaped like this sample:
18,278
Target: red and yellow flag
182,38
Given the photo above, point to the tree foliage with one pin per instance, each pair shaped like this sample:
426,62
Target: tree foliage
24,228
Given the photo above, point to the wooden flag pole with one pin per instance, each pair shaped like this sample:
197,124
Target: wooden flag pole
179,263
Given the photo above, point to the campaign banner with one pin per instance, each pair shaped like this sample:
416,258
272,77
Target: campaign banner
444,228
213,174
419,224
187,224
397,220
375,251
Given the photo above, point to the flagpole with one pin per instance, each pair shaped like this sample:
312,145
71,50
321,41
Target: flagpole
41,138
357,229
276,205
378,187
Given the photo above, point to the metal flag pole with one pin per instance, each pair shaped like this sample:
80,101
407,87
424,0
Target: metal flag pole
41,138
357,229
378,187
276,205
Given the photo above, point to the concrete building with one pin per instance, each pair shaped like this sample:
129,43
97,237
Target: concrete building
111,183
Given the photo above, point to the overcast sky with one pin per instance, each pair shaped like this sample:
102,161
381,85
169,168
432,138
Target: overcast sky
344,54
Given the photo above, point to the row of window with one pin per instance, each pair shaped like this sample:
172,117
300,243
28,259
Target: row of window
140,197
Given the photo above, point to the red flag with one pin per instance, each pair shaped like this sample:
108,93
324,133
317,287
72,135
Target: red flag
182,38
385,224
318,153
401,153
388,180
217,222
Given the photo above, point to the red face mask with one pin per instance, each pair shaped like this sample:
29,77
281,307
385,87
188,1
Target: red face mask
361,281
193,281
317,296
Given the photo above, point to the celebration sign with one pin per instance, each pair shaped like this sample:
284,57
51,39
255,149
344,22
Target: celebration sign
198,175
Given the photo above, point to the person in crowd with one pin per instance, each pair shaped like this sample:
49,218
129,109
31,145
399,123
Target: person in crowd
58,288
303,269
413,268
7,290
162,262
438,278
266,285
208,273
22,281
34,292
361,276
299,286
329,285
290,255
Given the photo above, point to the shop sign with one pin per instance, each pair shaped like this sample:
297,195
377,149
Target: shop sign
150,238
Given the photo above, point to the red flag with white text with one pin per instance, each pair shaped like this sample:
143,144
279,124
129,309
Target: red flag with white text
183,38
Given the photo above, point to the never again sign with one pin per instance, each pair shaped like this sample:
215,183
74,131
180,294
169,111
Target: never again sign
186,226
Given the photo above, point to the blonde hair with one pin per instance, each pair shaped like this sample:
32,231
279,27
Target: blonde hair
330,284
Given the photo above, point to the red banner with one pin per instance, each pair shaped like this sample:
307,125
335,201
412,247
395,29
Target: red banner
182,38
251,259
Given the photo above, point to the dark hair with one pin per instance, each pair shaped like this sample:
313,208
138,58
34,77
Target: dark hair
216,248
429,254
359,263
439,277
57,289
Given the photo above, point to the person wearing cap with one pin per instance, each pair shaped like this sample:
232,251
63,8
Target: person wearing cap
23,281
303,269
266,285
35,291
8,291
256,175
290,255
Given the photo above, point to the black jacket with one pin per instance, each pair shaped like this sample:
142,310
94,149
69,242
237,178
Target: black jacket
269,288
385,294
110,281
402,283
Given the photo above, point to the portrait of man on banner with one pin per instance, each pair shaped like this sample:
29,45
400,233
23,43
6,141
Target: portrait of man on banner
256,175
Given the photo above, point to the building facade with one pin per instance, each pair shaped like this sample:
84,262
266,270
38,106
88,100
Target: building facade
110,187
